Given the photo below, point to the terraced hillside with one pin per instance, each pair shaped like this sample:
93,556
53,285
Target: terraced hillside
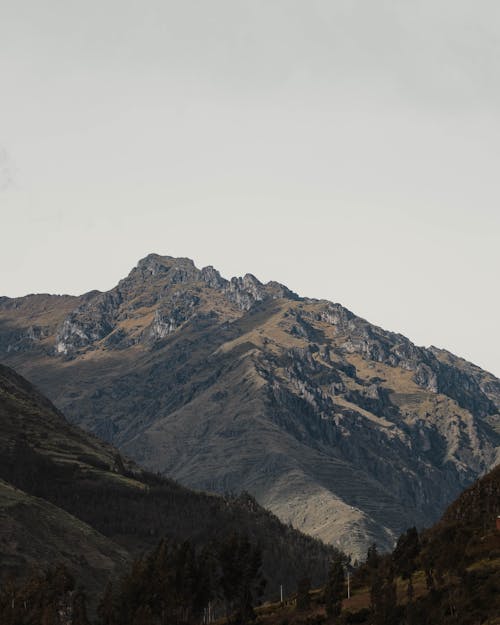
347,431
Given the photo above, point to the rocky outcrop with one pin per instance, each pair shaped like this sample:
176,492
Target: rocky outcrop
156,283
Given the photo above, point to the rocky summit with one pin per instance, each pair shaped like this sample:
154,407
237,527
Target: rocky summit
349,432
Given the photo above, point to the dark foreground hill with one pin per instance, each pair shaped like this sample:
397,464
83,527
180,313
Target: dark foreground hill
447,575
347,431
455,567
67,497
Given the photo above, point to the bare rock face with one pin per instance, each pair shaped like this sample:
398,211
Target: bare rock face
347,431
169,286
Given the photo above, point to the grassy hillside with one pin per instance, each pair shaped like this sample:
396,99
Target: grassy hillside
35,534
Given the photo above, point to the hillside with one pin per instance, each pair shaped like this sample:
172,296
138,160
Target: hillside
67,497
454,568
34,534
347,431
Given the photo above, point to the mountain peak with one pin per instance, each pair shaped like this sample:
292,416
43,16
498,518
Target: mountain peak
159,296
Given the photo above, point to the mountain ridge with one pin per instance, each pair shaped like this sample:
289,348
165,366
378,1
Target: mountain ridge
349,432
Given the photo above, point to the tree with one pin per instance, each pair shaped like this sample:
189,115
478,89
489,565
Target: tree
405,555
303,601
171,585
383,597
335,588
43,599
241,581
372,557
106,608
79,608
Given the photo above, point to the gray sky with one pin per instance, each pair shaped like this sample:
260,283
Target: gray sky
347,148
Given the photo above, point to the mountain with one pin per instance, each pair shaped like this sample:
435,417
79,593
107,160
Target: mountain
349,432
67,497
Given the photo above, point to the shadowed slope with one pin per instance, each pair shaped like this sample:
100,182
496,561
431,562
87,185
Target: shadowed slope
65,495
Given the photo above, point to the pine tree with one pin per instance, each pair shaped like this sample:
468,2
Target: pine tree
384,597
405,555
241,579
105,609
372,557
79,608
335,588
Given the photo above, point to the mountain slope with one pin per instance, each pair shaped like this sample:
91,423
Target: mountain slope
34,534
349,432
66,496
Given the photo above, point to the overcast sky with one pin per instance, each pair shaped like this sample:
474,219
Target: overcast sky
347,148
